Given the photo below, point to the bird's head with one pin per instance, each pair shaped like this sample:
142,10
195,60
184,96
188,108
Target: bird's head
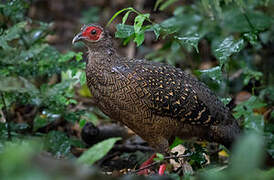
92,34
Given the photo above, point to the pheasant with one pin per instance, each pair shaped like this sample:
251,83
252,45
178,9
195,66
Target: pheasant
157,101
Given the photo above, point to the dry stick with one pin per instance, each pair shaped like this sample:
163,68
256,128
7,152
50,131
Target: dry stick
146,167
132,148
157,162
6,114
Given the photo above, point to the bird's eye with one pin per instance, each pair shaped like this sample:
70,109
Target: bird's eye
93,32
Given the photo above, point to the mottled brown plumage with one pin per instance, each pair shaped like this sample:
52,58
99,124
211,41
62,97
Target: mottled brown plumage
155,100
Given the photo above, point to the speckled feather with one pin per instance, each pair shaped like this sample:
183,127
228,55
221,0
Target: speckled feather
167,91
157,101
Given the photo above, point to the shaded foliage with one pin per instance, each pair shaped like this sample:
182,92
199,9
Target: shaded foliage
36,77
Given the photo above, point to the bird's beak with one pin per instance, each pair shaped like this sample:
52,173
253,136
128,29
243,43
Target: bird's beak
78,37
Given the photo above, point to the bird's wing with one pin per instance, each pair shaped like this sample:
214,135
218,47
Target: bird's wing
170,92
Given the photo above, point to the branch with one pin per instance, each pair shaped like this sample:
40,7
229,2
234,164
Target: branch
165,158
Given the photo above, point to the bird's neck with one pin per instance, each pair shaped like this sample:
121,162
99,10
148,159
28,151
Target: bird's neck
101,56
98,66
100,61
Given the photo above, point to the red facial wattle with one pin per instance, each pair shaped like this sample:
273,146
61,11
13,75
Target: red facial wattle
92,33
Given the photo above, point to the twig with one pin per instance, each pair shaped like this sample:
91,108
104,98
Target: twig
236,75
132,148
107,157
146,167
6,114
165,158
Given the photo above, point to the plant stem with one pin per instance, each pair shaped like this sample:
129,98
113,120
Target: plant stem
5,111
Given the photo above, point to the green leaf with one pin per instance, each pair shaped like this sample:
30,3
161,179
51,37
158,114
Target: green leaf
73,117
197,157
251,37
17,84
139,38
91,117
39,122
83,78
206,5
156,29
158,2
57,143
119,12
19,126
125,17
138,22
14,155
237,21
124,31
82,123
268,93
11,34
32,52
176,142
79,56
68,56
248,106
189,40
226,100
254,122
269,138
226,48
245,109
97,151
251,74
159,157
217,6
166,4
247,155
214,73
